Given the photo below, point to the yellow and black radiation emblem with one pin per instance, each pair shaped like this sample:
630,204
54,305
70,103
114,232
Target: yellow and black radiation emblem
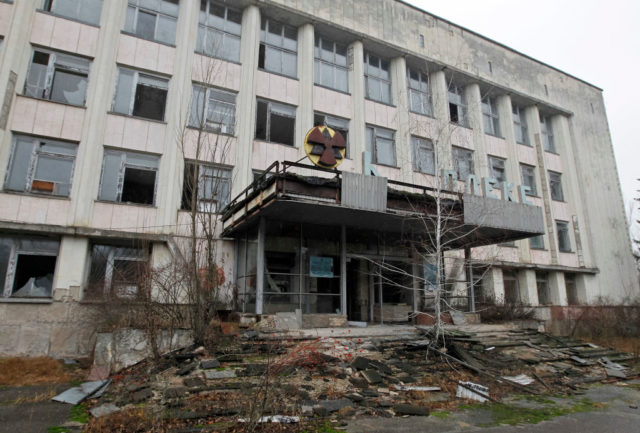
325,147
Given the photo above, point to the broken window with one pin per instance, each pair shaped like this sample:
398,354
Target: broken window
536,242
381,144
27,266
564,242
511,289
497,169
41,166
571,288
87,11
212,187
331,64
154,20
542,284
520,126
141,95
116,270
423,155
213,110
548,141
419,94
275,122
457,107
57,77
219,31
278,48
335,123
555,184
528,175
128,177
490,117
377,78
462,162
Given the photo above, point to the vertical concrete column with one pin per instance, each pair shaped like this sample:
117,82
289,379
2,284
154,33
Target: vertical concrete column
474,115
355,60
503,103
343,269
528,287
172,165
102,78
304,114
400,96
582,288
494,285
262,229
246,100
557,288
572,188
70,268
440,98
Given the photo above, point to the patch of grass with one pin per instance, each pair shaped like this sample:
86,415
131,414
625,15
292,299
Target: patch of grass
324,427
57,429
32,371
80,413
537,399
442,414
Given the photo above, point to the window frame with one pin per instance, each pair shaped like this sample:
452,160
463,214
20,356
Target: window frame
497,160
564,237
520,124
133,92
48,245
318,60
490,117
32,167
423,144
467,155
533,191
120,176
333,122
135,5
206,204
555,186
374,132
382,82
270,106
455,98
546,131
542,282
52,68
47,5
227,128
534,246
264,44
108,289
206,26
426,105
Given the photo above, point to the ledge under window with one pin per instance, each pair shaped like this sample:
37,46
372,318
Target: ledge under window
388,104
162,122
83,106
26,300
53,14
124,32
279,74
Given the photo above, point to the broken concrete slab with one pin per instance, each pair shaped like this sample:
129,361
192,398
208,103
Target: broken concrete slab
416,388
104,410
219,374
192,382
372,376
207,364
360,363
186,369
335,405
175,392
78,393
408,409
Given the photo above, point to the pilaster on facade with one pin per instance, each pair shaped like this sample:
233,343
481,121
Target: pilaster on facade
494,285
474,116
355,56
400,96
442,138
557,289
70,272
528,287
304,114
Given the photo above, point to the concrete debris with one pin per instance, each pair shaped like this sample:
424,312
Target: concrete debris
408,409
522,379
207,364
472,391
282,419
416,388
219,374
372,376
104,409
78,393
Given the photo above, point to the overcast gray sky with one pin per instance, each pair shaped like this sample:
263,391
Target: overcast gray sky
595,40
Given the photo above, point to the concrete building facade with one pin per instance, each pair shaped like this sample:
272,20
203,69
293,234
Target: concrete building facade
98,98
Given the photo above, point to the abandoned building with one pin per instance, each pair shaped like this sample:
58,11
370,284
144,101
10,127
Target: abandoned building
105,105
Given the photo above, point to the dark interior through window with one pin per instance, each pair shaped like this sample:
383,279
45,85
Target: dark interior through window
149,102
138,185
34,275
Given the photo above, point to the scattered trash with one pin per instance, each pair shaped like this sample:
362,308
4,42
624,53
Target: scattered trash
472,391
416,388
490,348
78,393
283,419
522,379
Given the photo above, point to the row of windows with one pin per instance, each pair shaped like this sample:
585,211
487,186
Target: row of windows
512,290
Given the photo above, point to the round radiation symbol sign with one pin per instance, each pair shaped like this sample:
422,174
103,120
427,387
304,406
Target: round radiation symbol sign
325,147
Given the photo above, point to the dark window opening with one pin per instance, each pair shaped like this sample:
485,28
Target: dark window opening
40,58
261,56
190,183
282,129
138,185
453,113
149,102
261,124
34,276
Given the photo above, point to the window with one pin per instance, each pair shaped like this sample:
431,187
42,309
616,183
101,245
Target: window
555,184
116,271
57,77
490,118
330,65
457,107
128,177
419,95
87,11
520,126
497,169
154,20
219,31
213,110
278,48
548,141
41,166
511,289
211,186
423,156
462,162
141,95
377,79
275,122
572,289
536,242
528,175
564,242
335,123
27,265
542,284
380,143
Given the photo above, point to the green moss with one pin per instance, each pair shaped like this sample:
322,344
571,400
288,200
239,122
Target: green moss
537,399
511,415
442,414
80,413
324,427
57,429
